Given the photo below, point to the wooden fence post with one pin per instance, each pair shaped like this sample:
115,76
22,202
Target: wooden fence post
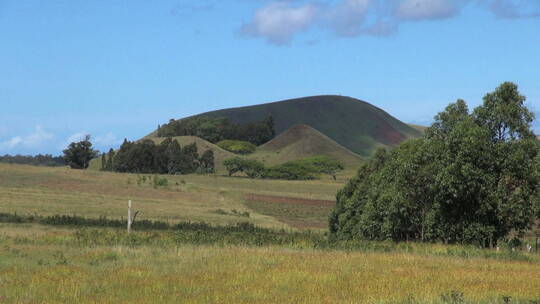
129,217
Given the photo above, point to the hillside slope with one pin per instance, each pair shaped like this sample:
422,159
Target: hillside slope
354,124
303,141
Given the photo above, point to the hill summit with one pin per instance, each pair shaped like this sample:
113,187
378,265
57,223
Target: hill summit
352,123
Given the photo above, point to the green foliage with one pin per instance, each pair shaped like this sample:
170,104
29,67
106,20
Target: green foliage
218,129
252,168
305,169
466,181
237,146
79,154
166,158
160,181
206,162
291,171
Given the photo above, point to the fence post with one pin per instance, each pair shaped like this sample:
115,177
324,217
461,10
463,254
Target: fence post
129,217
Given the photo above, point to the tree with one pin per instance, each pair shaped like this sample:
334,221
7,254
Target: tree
473,179
103,162
189,159
162,157
110,160
206,162
174,155
79,154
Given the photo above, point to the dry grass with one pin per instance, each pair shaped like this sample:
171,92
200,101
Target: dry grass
35,270
49,191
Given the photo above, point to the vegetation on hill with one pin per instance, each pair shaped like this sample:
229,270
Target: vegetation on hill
301,142
354,124
165,158
216,129
304,169
473,178
237,146
34,160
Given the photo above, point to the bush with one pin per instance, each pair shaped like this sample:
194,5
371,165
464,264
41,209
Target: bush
291,171
237,146
252,168
304,169
160,181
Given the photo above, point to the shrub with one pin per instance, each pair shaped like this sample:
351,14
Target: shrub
237,146
290,171
252,168
160,181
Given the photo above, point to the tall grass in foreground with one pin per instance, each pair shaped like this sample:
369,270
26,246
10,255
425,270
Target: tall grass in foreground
107,266
162,234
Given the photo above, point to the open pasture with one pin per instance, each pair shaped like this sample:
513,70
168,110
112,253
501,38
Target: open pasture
209,198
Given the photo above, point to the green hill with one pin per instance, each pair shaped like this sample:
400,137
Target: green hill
352,123
303,141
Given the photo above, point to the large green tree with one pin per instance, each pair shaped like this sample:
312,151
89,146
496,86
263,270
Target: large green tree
473,178
78,154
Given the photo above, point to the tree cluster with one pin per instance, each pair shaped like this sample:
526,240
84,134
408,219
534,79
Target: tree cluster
34,160
168,157
473,178
304,169
217,129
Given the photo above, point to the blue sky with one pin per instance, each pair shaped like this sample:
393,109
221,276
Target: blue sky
116,69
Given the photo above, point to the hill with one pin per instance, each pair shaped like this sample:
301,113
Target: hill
352,123
303,141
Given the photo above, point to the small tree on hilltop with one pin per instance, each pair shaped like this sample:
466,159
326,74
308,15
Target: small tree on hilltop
79,154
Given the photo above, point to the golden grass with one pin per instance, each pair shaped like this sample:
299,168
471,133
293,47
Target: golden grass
34,271
50,191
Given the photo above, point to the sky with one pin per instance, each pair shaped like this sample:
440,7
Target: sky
116,69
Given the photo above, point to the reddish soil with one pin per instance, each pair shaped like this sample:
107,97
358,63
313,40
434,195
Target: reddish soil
288,200
387,133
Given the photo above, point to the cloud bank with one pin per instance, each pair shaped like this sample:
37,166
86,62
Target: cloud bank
279,22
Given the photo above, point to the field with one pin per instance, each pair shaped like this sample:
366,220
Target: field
65,264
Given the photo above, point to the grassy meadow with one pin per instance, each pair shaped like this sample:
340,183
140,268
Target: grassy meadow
64,264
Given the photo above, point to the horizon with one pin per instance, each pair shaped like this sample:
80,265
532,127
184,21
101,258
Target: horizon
117,70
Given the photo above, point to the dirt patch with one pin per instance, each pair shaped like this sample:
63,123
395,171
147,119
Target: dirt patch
288,200
295,212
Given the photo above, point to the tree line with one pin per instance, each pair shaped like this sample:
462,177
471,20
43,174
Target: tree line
303,169
35,160
473,178
168,157
215,130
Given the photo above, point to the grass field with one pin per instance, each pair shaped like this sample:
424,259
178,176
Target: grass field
51,264
46,265
50,191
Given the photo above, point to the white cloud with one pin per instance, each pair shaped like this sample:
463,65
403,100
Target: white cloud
33,140
427,9
278,22
348,16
